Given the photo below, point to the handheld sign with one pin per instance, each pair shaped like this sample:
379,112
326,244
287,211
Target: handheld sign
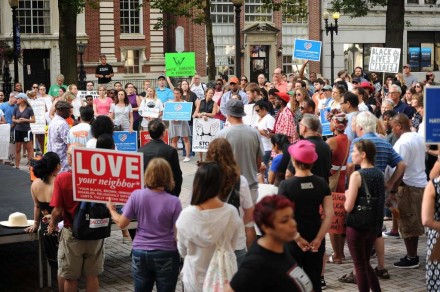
125,141
39,108
180,64
146,138
432,114
307,50
177,111
100,174
324,123
384,60
203,133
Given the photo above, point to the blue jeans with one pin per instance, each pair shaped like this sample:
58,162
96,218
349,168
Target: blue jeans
157,266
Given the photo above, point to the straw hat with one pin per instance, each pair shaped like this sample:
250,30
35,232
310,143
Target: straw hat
17,219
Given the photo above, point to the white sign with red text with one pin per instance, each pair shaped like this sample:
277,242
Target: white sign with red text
100,174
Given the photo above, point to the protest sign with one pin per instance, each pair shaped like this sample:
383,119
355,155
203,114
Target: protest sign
5,135
146,138
100,174
338,221
384,60
125,141
307,50
83,93
251,115
177,111
325,124
204,132
180,64
432,114
39,108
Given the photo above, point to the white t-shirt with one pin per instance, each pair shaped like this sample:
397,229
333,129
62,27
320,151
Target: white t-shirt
266,123
199,90
411,148
79,134
121,115
148,107
77,103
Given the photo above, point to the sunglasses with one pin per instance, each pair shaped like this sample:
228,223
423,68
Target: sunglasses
218,84
298,94
418,86
35,87
243,80
257,110
232,83
301,108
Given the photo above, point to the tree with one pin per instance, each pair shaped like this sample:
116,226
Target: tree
395,17
199,11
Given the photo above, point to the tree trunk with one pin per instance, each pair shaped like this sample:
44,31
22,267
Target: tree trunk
395,21
67,39
210,42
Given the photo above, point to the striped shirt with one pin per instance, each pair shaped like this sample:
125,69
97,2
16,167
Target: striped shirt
385,154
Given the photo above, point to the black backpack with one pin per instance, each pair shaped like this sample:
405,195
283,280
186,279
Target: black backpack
92,221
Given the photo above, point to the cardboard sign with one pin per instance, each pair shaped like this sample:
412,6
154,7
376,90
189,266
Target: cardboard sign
5,136
82,94
100,174
203,133
177,111
432,114
145,137
180,64
307,50
384,60
324,123
39,108
338,222
125,141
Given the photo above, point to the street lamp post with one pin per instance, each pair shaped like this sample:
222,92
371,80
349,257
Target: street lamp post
15,38
237,4
82,73
332,29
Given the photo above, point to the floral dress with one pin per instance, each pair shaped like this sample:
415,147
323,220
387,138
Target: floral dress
433,267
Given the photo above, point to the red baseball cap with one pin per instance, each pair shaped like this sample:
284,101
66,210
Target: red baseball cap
234,80
284,96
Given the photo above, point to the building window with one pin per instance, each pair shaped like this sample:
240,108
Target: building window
132,61
358,55
223,30
222,11
291,31
423,50
255,12
130,16
34,16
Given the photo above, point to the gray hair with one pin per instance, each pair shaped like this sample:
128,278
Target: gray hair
367,121
13,94
397,88
60,76
389,101
311,121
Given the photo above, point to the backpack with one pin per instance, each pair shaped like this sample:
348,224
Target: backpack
92,221
234,196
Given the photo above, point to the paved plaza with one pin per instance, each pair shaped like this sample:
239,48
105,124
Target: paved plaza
19,270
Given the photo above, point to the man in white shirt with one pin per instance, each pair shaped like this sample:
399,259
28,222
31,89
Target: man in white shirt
197,87
81,133
411,148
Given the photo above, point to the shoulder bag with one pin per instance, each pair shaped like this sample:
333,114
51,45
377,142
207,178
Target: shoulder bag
333,180
364,213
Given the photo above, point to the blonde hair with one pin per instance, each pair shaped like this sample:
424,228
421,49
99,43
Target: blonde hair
159,174
68,96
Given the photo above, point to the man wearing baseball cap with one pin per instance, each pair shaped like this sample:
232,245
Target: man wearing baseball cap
284,123
162,91
246,144
234,86
410,79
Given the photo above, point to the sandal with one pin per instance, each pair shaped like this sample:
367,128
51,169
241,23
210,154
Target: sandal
348,278
333,260
383,274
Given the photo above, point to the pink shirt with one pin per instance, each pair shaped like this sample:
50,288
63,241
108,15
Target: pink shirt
102,108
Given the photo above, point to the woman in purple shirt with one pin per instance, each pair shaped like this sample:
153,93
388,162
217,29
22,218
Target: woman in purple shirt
155,256
135,101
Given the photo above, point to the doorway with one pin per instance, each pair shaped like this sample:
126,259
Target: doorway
36,68
259,62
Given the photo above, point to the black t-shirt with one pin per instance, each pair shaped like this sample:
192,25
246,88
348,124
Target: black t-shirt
307,194
264,270
104,70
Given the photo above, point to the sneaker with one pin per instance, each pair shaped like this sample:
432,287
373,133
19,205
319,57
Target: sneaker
407,263
383,274
391,234
323,283
187,159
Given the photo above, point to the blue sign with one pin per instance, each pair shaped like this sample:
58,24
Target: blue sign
432,114
125,141
177,111
324,123
307,50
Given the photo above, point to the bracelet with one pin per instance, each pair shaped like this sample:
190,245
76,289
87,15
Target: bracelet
297,236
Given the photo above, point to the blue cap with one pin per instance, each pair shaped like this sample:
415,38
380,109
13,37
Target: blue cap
22,96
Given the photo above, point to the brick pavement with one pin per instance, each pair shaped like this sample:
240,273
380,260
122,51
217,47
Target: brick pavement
18,269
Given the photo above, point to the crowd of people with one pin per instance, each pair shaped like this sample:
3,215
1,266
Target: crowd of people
370,165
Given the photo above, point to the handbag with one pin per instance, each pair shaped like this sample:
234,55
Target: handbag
222,267
364,213
333,180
